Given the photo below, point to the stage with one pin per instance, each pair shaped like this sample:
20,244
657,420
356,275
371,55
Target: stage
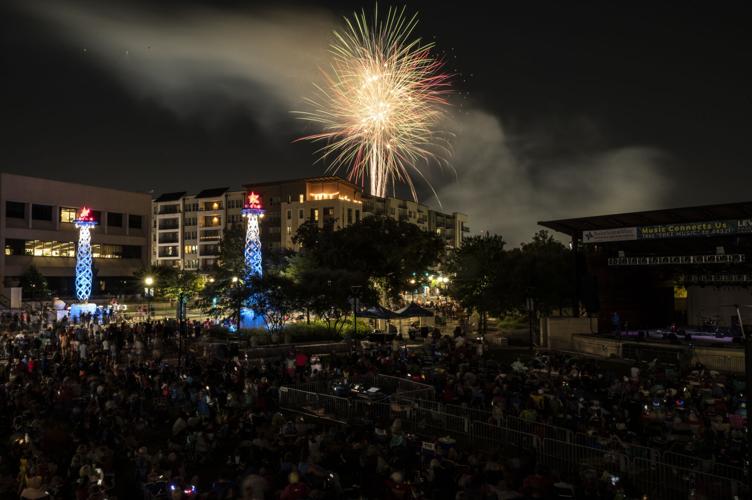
697,337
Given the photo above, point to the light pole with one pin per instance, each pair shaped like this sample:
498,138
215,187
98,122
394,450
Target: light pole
239,302
149,293
530,303
355,289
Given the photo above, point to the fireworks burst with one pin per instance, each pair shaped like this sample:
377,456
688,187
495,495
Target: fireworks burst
381,104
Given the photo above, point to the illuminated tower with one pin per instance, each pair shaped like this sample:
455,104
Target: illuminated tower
84,223
252,211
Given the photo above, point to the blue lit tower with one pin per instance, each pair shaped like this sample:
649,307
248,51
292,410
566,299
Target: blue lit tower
85,222
252,211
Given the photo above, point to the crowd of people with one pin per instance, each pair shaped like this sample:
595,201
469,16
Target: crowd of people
121,418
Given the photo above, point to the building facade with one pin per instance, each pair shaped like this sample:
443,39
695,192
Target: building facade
188,228
36,228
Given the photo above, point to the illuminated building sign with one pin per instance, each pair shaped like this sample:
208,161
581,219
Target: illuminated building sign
253,201
666,231
85,215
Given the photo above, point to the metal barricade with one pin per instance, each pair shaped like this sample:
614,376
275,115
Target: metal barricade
543,431
666,481
708,466
572,459
497,437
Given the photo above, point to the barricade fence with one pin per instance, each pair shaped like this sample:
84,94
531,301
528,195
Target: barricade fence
669,475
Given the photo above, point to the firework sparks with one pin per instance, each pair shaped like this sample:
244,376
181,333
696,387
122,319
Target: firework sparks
381,103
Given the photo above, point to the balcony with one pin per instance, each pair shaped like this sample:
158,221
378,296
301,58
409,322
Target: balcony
169,209
208,250
168,252
210,234
168,225
211,207
168,238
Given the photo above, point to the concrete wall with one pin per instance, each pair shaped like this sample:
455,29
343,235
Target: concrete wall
557,332
720,359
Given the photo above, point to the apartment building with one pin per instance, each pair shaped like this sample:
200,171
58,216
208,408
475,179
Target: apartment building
37,228
188,228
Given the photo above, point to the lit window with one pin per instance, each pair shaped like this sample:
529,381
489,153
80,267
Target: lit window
301,198
316,214
289,230
67,215
215,205
215,221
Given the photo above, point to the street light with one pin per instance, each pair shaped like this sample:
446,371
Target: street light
149,293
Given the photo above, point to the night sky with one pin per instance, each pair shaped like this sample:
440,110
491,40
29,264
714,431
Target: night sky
562,109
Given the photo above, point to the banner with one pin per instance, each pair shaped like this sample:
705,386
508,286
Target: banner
606,235
665,231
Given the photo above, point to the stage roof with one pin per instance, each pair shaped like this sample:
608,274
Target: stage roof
741,210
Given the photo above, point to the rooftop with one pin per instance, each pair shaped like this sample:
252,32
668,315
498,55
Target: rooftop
576,226
212,193
170,196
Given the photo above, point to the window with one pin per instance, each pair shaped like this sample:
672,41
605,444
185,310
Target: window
289,230
114,219
349,215
97,214
357,216
38,248
315,214
131,252
135,221
301,214
15,209
289,214
191,249
14,247
289,198
301,198
41,212
67,215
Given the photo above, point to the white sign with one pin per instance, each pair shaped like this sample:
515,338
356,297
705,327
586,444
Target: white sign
606,235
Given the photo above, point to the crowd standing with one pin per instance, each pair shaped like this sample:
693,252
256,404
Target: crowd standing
101,409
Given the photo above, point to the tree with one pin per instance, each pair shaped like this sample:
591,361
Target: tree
482,276
271,296
34,284
386,251
326,292
231,261
546,272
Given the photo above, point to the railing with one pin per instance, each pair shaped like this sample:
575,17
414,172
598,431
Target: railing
703,465
669,475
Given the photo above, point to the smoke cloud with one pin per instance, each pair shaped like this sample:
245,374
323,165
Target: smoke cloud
263,61
506,186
